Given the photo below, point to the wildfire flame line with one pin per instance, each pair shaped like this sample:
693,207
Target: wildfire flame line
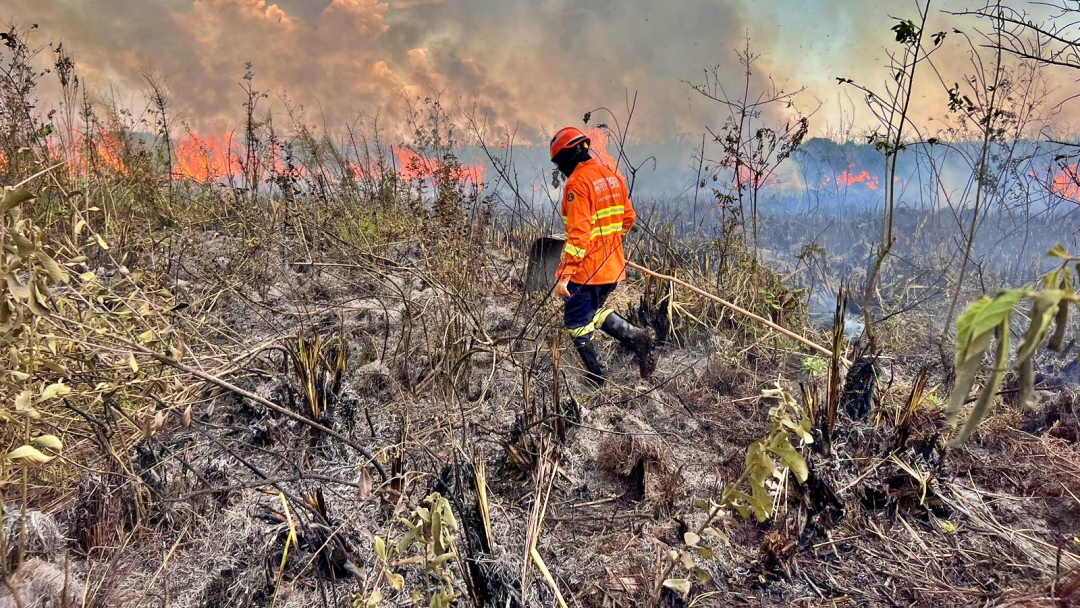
217,158
848,178
413,166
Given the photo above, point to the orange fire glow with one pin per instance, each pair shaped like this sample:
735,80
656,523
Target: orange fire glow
216,158
413,166
204,160
358,172
848,178
110,154
1066,183
747,177
598,141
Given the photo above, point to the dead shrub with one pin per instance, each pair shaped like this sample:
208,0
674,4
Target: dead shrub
727,378
39,584
645,464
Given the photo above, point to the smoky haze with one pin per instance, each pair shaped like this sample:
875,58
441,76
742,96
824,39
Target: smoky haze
523,64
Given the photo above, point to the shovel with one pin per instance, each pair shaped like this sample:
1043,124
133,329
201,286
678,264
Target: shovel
546,253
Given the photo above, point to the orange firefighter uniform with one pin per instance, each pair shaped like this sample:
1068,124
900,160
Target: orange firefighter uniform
597,213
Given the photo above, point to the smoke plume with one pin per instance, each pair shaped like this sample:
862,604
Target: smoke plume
527,65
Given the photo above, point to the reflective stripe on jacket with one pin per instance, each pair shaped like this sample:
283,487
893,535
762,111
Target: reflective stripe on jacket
597,213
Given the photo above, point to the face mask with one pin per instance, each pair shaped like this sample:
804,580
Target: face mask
568,160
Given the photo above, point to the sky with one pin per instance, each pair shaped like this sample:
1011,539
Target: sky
528,66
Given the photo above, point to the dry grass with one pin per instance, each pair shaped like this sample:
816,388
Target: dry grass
183,475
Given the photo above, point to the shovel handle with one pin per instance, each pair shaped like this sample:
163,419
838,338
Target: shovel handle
738,309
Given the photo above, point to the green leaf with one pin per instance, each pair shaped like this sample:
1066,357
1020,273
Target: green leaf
55,390
448,515
753,454
739,495
406,541
56,273
718,533
991,316
798,429
380,548
986,397
965,379
742,510
1042,312
13,197
1027,383
946,526
24,245
781,446
678,585
1061,321
442,559
29,455
51,442
1058,251
704,552
761,500
965,328
973,337
436,531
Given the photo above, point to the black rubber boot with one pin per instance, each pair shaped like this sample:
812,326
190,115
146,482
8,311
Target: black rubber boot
590,356
634,338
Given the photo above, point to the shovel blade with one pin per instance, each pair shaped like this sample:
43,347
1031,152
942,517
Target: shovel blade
544,256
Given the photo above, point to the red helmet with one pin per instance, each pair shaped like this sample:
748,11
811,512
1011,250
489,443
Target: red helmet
567,137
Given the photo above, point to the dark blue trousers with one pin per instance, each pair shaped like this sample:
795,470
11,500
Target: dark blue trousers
584,311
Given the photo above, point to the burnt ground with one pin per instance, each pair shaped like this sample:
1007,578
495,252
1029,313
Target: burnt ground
439,382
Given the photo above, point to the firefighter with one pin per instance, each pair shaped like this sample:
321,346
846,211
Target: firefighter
597,212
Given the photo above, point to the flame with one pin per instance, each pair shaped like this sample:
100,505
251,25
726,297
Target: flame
848,178
110,154
1066,183
204,160
746,176
215,158
598,141
358,171
413,166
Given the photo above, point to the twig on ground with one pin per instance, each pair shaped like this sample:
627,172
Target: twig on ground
250,395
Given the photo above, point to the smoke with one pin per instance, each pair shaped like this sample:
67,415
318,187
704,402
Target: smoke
529,65
520,63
